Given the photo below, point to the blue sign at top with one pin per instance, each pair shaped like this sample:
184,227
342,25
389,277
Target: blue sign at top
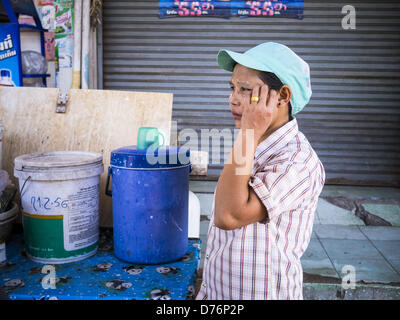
282,8
10,59
227,8
210,8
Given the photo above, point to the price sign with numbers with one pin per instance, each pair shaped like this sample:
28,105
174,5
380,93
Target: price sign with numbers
283,8
210,8
226,8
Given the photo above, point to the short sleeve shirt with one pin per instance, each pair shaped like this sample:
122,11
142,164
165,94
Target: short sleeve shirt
262,260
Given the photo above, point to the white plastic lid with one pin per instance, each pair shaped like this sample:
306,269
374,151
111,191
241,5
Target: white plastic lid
56,159
58,165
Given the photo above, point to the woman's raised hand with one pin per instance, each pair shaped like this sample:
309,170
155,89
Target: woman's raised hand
257,115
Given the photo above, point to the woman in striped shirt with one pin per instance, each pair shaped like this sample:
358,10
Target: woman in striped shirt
267,193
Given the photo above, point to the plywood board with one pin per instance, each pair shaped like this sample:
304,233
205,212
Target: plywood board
95,120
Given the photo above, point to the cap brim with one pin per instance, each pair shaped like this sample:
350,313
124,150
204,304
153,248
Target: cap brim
227,60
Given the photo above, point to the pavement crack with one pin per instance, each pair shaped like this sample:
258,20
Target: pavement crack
341,202
369,218
356,206
317,278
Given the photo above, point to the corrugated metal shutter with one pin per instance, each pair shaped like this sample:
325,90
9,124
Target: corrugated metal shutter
353,118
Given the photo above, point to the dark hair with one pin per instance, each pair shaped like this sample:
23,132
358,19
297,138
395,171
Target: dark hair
274,83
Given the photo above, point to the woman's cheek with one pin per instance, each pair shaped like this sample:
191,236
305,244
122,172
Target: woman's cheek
246,97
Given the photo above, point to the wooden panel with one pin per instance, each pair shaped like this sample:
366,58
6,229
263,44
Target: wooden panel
96,121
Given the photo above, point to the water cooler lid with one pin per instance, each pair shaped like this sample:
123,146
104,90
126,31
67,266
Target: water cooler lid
163,157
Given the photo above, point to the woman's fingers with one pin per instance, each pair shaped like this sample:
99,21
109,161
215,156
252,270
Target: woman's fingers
257,115
263,95
272,100
255,94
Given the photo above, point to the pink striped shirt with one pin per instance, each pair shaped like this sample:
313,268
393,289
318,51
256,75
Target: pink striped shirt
262,260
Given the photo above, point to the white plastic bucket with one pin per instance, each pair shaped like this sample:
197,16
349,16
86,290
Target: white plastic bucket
60,204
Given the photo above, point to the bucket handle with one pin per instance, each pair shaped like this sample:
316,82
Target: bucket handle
108,192
22,189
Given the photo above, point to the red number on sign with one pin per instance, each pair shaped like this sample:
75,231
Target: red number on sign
195,9
182,11
254,7
267,9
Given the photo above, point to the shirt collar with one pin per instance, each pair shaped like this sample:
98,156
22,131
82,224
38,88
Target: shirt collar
277,139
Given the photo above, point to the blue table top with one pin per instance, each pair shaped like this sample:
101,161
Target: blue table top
100,277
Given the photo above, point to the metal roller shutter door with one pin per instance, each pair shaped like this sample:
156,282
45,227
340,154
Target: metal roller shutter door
353,118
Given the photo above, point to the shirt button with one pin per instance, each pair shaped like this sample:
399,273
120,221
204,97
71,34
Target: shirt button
207,256
203,285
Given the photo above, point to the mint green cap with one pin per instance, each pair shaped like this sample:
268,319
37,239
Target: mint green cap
278,59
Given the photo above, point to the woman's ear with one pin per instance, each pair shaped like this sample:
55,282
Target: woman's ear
285,94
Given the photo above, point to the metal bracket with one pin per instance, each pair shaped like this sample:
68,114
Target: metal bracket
62,103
